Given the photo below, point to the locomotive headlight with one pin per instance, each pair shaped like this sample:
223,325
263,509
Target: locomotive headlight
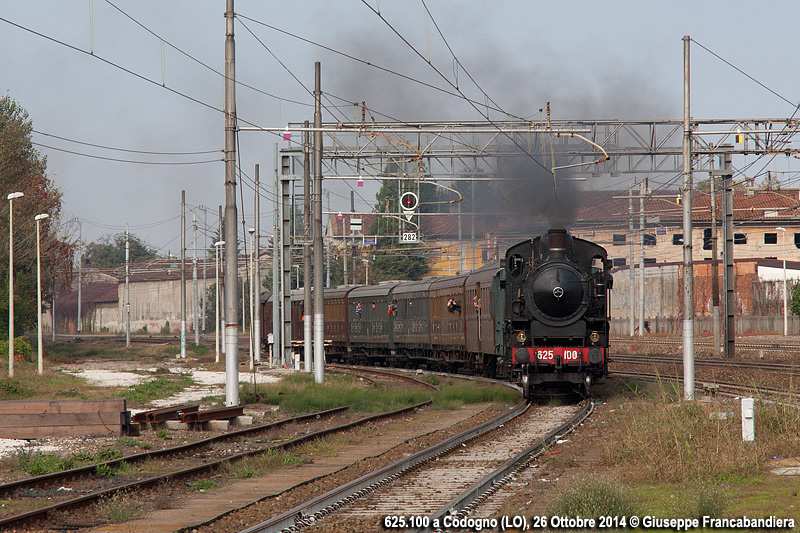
594,337
521,337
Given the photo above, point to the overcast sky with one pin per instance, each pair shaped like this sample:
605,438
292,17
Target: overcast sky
591,59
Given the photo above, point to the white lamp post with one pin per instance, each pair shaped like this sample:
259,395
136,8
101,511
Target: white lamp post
251,231
217,246
38,218
785,316
11,281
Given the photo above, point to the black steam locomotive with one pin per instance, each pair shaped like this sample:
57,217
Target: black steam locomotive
539,319
557,311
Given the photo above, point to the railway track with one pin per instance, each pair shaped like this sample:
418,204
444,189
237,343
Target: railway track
722,363
422,488
716,386
67,508
792,347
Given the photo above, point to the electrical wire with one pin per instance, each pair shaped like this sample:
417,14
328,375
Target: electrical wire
764,86
146,152
126,70
212,69
117,160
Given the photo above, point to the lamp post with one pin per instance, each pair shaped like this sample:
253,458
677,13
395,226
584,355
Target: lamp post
217,246
785,316
11,281
38,218
251,231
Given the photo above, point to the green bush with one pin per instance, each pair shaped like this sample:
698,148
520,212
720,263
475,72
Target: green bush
165,328
22,349
699,500
594,496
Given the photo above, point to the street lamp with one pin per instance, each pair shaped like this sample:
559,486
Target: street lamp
785,316
38,218
217,246
251,231
11,281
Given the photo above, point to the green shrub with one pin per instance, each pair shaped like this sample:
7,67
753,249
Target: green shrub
699,500
594,496
22,349
165,328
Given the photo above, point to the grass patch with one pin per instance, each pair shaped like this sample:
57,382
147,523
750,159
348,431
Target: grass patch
160,387
594,496
326,447
120,507
263,463
300,394
454,394
203,485
104,470
677,442
37,463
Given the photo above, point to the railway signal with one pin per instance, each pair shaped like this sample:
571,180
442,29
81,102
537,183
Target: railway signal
409,203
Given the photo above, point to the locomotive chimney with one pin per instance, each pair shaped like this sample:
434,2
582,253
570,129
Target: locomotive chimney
557,243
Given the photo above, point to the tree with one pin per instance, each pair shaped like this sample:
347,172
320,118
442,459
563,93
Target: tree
394,260
23,170
794,306
109,252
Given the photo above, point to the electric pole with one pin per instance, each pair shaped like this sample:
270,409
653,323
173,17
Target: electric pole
231,240
195,298
686,200
256,288
80,266
127,288
183,274
319,302
631,270
308,327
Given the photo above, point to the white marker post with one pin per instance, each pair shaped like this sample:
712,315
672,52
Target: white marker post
748,420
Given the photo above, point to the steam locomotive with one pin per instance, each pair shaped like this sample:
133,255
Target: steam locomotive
539,319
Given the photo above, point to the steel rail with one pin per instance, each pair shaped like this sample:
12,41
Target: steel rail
54,478
411,379
648,359
41,514
478,492
310,512
742,345
737,388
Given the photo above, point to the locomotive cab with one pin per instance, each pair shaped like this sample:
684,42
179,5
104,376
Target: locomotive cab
557,313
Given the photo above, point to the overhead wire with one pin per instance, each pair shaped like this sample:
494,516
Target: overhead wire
212,69
460,92
118,160
146,152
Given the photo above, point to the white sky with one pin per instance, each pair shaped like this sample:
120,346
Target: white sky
612,59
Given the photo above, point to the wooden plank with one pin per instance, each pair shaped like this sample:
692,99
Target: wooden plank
58,419
59,431
23,419
61,406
